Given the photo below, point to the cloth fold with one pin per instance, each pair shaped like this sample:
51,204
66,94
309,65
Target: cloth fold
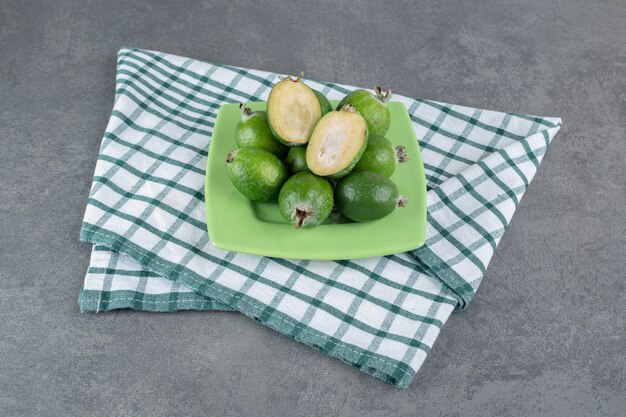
145,218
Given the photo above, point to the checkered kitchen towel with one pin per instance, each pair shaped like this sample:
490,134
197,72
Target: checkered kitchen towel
145,217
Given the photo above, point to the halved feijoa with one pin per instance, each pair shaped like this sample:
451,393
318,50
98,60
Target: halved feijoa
253,131
293,110
380,156
337,143
372,107
366,195
305,200
256,173
296,160
324,103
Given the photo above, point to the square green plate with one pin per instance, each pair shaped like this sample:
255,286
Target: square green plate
239,225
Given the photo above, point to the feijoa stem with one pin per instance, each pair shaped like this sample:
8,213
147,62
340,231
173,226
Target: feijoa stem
383,97
301,215
297,79
401,154
402,201
230,156
245,111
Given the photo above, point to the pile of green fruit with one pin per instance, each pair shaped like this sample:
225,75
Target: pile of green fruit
314,159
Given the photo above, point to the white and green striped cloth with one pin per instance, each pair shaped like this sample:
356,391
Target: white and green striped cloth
151,251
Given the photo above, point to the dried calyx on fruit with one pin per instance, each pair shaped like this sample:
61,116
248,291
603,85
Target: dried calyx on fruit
380,156
305,200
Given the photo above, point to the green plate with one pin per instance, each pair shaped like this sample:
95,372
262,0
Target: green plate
239,225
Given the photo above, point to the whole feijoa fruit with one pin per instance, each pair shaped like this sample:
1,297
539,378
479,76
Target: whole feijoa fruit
256,173
305,200
366,195
293,110
253,131
296,160
324,103
337,143
380,156
373,108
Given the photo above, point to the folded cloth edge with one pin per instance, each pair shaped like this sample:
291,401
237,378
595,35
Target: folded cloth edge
438,268
397,374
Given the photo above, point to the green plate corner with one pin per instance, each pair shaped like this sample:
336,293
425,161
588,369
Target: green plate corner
236,224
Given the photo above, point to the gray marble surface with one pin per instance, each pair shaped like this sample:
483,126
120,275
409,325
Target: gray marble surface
546,333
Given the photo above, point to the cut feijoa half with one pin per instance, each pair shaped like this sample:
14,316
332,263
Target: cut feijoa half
337,143
365,196
293,110
256,173
253,131
373,108
305,200
380,156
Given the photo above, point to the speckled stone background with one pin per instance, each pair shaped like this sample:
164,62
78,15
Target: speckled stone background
546,333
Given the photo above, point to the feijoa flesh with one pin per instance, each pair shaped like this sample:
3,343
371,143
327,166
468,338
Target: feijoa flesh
380,156
253,131
256,173
293,110
373,108
366,195
305,200
337,143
